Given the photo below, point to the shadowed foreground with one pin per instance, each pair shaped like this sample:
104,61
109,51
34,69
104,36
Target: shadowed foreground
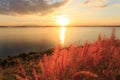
97,61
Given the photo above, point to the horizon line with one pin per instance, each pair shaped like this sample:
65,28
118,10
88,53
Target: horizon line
23,26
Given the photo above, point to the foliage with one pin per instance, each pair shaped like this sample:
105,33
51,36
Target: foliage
97,61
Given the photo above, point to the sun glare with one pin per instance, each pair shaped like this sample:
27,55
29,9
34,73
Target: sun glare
62,21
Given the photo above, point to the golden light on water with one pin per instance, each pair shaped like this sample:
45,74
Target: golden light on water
62,35
63,22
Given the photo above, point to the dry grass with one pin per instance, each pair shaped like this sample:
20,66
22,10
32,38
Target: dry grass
97,61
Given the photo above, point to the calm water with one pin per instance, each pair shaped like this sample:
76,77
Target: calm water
20,40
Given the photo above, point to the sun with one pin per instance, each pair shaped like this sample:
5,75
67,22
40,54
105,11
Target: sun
62,21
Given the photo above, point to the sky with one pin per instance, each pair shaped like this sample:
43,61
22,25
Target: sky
46,12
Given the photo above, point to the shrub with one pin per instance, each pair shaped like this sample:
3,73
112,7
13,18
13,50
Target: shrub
97,61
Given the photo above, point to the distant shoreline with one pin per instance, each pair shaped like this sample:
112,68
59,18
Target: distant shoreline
51,26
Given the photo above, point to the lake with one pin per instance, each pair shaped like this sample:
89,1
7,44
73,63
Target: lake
23,40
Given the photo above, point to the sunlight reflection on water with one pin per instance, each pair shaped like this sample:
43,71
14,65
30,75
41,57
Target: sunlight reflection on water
62,35
19,40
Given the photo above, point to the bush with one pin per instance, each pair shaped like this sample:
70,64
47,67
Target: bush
97,61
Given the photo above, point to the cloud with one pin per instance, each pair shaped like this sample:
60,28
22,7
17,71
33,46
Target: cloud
96,3
100,3
116,5
25,7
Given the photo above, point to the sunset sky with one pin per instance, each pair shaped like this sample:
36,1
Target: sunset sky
46,12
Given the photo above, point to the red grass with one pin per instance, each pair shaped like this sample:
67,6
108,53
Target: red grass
97,61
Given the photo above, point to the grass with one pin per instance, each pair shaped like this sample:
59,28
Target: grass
99,60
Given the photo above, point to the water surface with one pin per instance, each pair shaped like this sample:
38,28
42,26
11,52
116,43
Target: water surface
19,40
